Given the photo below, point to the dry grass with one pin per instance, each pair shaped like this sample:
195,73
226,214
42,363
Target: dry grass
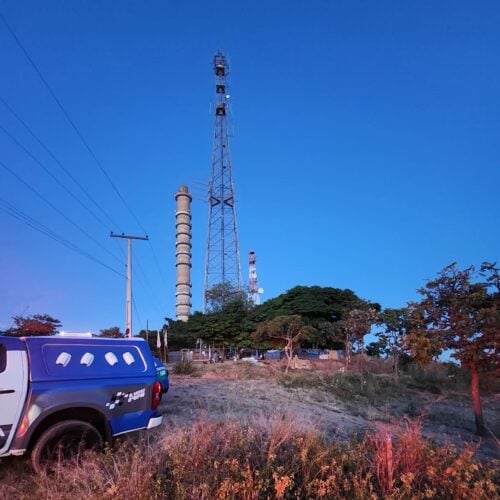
184,367
269,455
264,457
241,370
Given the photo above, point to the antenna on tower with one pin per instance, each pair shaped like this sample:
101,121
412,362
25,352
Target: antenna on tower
254,292
222,268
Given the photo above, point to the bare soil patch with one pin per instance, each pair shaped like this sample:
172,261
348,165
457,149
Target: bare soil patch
333,405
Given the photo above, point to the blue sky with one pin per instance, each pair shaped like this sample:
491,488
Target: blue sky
364,142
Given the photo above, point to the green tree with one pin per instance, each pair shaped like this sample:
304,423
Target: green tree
312,303
231,326
223,294
377,349
232,323
353,328
112,333
319,307
283,331
33,325
358,323
395,323
458,312
326,335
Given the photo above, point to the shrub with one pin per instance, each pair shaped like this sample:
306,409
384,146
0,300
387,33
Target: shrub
184,367
299,380
266,457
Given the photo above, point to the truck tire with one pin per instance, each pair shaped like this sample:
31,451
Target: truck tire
62,441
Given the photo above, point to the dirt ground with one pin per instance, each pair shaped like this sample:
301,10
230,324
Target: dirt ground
241,390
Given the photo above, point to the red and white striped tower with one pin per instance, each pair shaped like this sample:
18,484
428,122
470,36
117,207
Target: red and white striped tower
254,292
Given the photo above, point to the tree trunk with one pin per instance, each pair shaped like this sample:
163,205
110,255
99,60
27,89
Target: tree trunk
362,365
347,353
395,360
288,354
476,402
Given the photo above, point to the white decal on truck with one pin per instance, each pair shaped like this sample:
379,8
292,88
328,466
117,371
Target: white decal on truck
63,359
87,359
125,397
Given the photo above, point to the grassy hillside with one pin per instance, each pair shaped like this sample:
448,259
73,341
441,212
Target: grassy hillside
243,430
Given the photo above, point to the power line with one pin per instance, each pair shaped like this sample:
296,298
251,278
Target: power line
59,163
73,195
60,183
14,212
49,173
80,135
60,212
70,121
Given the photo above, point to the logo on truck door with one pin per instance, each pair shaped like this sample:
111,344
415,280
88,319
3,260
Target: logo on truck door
125,397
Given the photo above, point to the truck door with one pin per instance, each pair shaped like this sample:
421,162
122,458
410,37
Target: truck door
13,388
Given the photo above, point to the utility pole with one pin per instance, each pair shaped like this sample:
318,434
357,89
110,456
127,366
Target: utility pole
128,298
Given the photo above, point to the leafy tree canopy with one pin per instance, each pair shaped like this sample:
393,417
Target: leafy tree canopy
222,295
395,324
113,333
312,303
459,311
234,322
230,326
283,331
33,325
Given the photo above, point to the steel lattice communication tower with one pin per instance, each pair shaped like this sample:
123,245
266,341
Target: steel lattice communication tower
222,271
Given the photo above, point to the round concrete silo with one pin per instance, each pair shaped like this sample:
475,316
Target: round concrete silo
183,254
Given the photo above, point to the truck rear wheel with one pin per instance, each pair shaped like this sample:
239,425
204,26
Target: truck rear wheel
62,441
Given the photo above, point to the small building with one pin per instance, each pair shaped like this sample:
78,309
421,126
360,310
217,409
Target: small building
273,354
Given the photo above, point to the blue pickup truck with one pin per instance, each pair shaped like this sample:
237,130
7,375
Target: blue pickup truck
59,393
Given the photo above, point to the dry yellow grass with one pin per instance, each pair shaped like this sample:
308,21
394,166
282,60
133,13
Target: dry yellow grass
262,458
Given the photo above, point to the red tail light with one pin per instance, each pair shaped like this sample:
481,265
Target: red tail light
24,426
157,393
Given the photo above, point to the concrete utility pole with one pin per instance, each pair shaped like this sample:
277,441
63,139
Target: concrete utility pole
128,299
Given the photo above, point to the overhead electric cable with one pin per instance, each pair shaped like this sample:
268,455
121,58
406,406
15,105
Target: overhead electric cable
14,212
79,134
70,121
54,177
59,163
60,212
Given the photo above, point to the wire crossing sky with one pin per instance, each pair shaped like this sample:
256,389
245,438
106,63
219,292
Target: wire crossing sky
364,146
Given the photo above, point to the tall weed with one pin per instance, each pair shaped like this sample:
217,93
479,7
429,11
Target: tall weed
266,457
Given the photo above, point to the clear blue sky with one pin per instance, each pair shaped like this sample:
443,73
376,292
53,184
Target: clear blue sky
365,145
